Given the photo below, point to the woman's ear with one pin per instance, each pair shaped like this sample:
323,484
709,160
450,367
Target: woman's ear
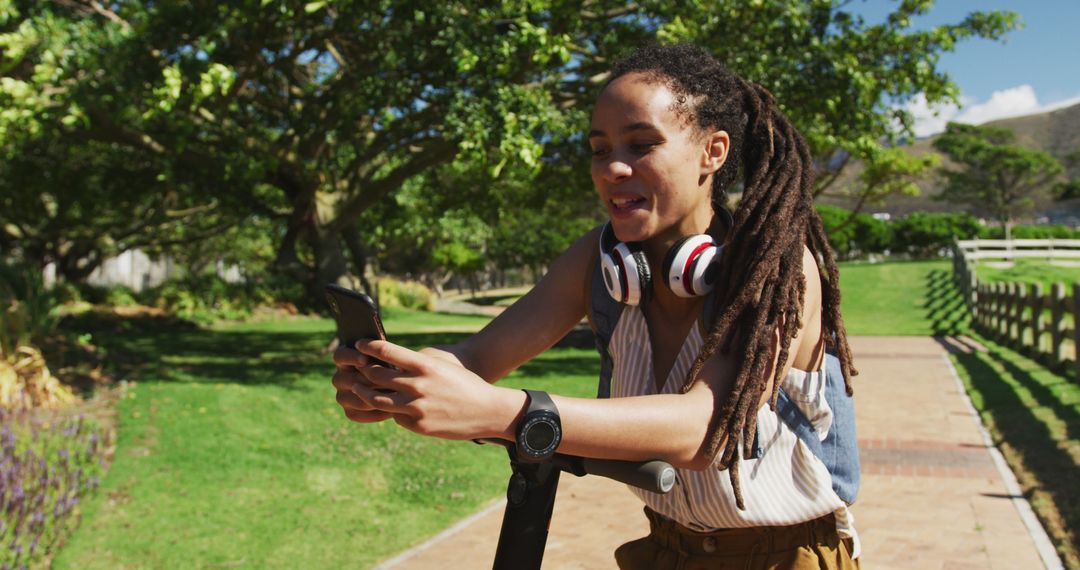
715,152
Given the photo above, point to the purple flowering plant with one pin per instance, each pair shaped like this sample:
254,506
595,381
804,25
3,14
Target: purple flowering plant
47,466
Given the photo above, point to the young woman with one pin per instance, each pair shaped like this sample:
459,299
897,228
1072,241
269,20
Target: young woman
671,132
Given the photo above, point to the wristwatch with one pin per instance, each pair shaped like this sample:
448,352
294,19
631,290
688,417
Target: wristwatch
540,431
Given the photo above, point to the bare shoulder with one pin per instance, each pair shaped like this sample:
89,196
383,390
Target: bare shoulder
812,273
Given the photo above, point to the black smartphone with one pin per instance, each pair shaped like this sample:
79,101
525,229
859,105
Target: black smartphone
356,316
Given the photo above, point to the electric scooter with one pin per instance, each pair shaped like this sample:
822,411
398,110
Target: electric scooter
530,498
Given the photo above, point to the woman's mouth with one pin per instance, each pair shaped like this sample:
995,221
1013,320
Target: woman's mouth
626,204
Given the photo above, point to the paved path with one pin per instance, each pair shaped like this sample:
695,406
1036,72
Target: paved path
932,495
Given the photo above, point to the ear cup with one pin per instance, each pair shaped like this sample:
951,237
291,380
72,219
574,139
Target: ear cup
625,269
688,266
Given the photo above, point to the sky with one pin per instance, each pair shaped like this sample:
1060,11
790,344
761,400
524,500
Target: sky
1034,69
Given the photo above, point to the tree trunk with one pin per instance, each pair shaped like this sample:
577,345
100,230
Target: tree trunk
330,264
351,237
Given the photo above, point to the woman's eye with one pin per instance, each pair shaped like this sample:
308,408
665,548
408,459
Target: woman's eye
643,147
599,151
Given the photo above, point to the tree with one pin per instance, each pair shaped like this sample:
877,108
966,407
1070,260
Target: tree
842,81
310,114
997,177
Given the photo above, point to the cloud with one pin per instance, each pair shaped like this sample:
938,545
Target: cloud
1011,102
930,120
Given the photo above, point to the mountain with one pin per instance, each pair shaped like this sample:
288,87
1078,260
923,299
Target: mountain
1056,132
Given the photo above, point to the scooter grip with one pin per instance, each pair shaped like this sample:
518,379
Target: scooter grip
655,476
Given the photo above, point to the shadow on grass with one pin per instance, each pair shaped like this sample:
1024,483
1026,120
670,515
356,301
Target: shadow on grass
945,309
1036,448
159,349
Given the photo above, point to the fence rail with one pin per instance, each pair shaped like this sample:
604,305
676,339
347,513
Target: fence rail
1042,324
1051,249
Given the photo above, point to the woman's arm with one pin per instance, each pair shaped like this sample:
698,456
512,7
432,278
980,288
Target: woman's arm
528,327
535,322
437,398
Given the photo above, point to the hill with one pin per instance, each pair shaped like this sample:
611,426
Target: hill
1056,132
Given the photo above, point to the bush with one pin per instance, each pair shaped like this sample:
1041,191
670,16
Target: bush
27,310
872,235
404,294
1040,231
206,298
925,234
50,468
856,236
841,235
120,296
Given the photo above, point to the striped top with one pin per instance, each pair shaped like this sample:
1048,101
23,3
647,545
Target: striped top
787,485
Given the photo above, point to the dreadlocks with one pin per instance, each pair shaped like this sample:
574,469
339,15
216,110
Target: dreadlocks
761,283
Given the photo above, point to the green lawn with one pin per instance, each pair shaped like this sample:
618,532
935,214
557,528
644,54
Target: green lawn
1034,417
233,453
1031,271
900,298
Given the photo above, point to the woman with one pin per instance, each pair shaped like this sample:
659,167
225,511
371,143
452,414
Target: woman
671,132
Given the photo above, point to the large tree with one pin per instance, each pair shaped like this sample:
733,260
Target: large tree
311,113
995,176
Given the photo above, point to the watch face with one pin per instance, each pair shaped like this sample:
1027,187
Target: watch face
540,436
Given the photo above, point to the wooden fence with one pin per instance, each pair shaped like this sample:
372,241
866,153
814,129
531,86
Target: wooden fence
1042,324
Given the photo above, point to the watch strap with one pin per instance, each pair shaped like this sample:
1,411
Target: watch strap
539,401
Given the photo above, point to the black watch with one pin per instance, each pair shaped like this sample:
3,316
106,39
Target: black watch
540,431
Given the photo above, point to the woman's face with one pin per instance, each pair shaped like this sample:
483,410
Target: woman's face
650,165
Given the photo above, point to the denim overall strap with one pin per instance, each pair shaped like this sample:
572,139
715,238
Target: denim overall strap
603,318
839,451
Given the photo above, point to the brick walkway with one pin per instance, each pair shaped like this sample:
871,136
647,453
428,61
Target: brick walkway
931,497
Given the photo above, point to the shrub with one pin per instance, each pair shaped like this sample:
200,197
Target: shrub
925,234
120,296
872,235
27,310
841,234
46,470
205,298
404,294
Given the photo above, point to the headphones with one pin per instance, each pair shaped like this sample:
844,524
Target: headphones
689,268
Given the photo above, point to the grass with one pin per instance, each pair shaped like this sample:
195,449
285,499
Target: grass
899,299
233,453
1032,413
1031,271
1034,418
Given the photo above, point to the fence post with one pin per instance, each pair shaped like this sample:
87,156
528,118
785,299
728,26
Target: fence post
1057,319
972,298
1020,302
1036,319
1000,290
1076,328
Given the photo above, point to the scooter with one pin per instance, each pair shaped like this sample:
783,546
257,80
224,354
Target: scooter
530,498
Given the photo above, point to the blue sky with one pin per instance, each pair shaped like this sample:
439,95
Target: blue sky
1034,69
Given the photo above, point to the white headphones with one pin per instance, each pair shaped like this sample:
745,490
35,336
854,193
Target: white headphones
689,267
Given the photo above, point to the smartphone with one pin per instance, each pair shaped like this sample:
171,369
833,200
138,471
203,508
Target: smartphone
356,316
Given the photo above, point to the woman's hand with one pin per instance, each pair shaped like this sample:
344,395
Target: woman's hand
432,395
349,363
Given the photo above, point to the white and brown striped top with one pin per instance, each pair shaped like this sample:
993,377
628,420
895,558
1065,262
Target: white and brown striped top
786,485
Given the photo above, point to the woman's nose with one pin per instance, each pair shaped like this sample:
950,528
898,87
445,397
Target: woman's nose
615,170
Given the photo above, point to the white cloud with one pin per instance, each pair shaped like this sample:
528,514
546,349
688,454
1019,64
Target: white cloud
1012,102
930,120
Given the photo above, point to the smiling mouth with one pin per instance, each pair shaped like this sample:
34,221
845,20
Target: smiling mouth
623,204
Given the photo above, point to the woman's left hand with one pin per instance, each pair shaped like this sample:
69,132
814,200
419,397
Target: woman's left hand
433,396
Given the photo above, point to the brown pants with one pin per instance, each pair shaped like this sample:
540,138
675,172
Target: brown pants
671,546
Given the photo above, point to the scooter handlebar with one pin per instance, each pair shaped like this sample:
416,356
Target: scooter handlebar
655,476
